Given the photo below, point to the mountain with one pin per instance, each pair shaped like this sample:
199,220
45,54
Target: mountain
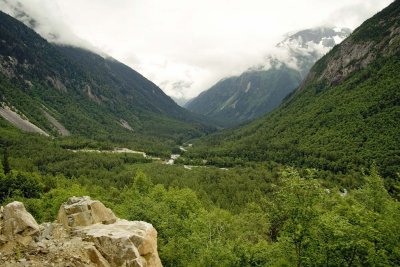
344,117
259,90
180,100
55,87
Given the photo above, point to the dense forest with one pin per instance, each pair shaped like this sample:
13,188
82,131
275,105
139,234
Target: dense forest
93,96
313,183
344,117
261,88
260,215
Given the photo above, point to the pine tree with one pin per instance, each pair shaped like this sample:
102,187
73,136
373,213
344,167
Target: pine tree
6,164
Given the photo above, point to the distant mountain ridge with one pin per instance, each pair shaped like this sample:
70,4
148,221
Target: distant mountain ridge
343,118
90,95
261,88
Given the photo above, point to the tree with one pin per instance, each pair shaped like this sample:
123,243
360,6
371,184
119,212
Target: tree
142,183
6,164
299,198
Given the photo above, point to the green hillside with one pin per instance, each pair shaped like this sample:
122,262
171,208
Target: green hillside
344,117
235,100
90,95
292,193
239,99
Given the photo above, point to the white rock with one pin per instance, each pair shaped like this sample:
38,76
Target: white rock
17,221
82,211
124,243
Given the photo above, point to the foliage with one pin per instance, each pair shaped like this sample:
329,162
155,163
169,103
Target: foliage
297,222
91,95
259,212
22,184
5,163
253,215
341,128
235,100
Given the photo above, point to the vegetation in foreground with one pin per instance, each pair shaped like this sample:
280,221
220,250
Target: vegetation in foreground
260,215
343,118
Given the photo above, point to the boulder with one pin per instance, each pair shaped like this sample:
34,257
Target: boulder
120,242
96,257
86,234
124,243
17,222
82,211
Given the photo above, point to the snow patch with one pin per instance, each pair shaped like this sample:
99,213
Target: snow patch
337,29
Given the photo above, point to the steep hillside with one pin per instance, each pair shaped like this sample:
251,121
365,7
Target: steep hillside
87,94
235,100
344,117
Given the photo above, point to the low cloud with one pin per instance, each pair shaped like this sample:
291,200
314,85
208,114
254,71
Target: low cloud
45,17
188,43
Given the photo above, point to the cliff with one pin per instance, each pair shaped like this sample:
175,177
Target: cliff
86,233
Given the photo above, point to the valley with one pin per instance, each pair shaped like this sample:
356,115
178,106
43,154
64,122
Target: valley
281,166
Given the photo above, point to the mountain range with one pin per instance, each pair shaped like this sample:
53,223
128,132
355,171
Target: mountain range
235,100
344,117
61,90
314,182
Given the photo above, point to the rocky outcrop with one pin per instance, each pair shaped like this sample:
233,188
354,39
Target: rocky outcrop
124,242
17,222
18,120
86,233
355,53
82,211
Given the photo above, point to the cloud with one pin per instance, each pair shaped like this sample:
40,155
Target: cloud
193,42
45,17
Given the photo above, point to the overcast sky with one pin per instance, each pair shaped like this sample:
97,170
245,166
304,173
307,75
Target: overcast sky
186,46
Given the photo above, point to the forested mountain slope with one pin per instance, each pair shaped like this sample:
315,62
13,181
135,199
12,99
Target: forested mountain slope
260,89
344,117
90,95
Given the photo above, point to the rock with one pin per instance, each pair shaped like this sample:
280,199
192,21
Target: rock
23,240
82,211
97,258
9,248
124,243
17,221
87,234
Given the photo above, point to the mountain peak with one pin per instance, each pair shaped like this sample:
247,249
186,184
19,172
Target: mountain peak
345,115
261,88
326,36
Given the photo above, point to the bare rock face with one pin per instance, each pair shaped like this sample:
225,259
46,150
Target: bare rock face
17,221
124,243
351,56
86,234
120,242
82,211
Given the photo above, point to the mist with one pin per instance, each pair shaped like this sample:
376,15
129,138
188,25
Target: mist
185,46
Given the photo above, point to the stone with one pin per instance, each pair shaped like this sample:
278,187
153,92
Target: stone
17,221
9,248
86,234
82,211
23,240
3,240
96,257
124,243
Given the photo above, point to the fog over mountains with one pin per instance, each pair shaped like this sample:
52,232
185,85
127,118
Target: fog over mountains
295,162
184,60
261,88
